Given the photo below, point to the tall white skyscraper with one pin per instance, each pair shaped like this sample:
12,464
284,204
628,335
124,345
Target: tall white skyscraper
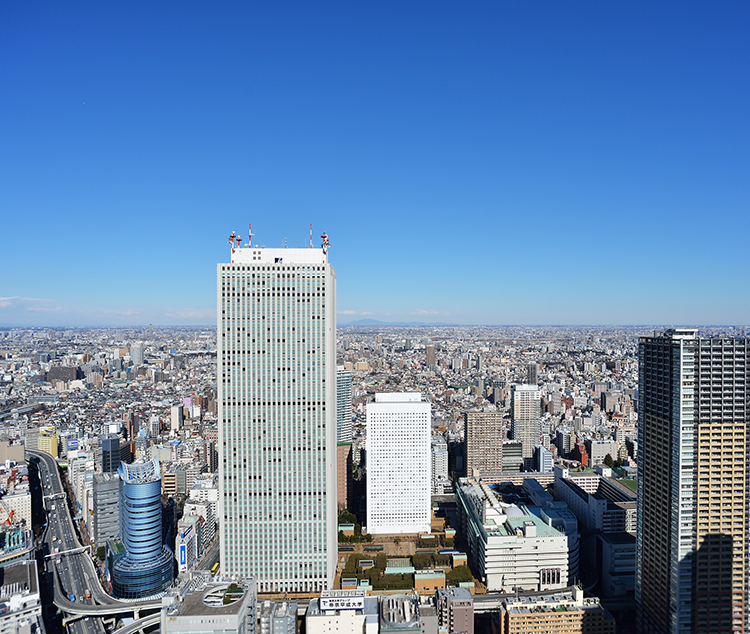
276,315
398,464
343,404
526,420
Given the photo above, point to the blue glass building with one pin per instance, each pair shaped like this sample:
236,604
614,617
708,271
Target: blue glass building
147,567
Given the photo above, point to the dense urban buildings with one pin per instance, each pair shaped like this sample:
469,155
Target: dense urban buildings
69,390
276,378
398,464
692,529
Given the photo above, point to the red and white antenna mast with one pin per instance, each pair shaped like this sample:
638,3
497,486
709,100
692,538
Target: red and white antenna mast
250,234
326,246
311,246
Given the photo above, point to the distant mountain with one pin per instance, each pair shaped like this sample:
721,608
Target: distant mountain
376,322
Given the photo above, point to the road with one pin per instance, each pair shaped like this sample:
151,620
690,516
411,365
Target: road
76,574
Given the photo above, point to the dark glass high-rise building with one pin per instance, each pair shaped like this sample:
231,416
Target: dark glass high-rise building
692,529
110,449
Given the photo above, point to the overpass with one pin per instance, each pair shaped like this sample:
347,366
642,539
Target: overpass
102,603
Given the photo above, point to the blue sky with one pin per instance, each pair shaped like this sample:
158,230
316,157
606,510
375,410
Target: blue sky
497,163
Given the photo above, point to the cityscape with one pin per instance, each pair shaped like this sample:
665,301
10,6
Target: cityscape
390,318
280,473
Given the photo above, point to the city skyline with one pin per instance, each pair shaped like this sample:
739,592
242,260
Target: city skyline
471,165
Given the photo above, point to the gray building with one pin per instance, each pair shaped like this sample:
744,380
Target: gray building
106,507
277,617
109,452
343,404
211,607
455,608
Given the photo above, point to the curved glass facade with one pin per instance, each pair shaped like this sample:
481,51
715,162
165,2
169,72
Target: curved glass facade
148,566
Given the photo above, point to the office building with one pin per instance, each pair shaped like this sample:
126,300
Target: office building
176,418
598,450
343,404
526,427
342,611
136,354
441,482
106,507
484,442
398,464
47,440
692,529
510,548
543,462
276,314
145,568
109,451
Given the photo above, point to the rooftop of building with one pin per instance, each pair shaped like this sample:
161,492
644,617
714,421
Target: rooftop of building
565,600
399,611
18,578
209,601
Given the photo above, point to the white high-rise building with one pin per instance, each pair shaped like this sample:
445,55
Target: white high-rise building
176,418
525,422
343,404
398,464
276,315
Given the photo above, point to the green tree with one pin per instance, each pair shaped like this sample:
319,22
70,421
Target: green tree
460,574
345,517
609,461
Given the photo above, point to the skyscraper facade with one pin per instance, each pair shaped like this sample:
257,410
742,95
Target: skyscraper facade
110,453
147,565
430,356
692,529
343,404
398,464
525,422
276,315
484,442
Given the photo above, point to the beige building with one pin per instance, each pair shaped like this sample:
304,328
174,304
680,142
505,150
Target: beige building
484,443
48,440
692,531
343,472
562,612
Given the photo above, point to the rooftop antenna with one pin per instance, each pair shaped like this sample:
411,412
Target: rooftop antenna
311,246
250,234
326,245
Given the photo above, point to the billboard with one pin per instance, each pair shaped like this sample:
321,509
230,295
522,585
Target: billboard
183,555
356,602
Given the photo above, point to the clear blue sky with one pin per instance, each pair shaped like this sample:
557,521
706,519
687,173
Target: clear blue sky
495,163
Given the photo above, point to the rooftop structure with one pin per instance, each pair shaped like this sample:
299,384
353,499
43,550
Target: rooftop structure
564,611
216,606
